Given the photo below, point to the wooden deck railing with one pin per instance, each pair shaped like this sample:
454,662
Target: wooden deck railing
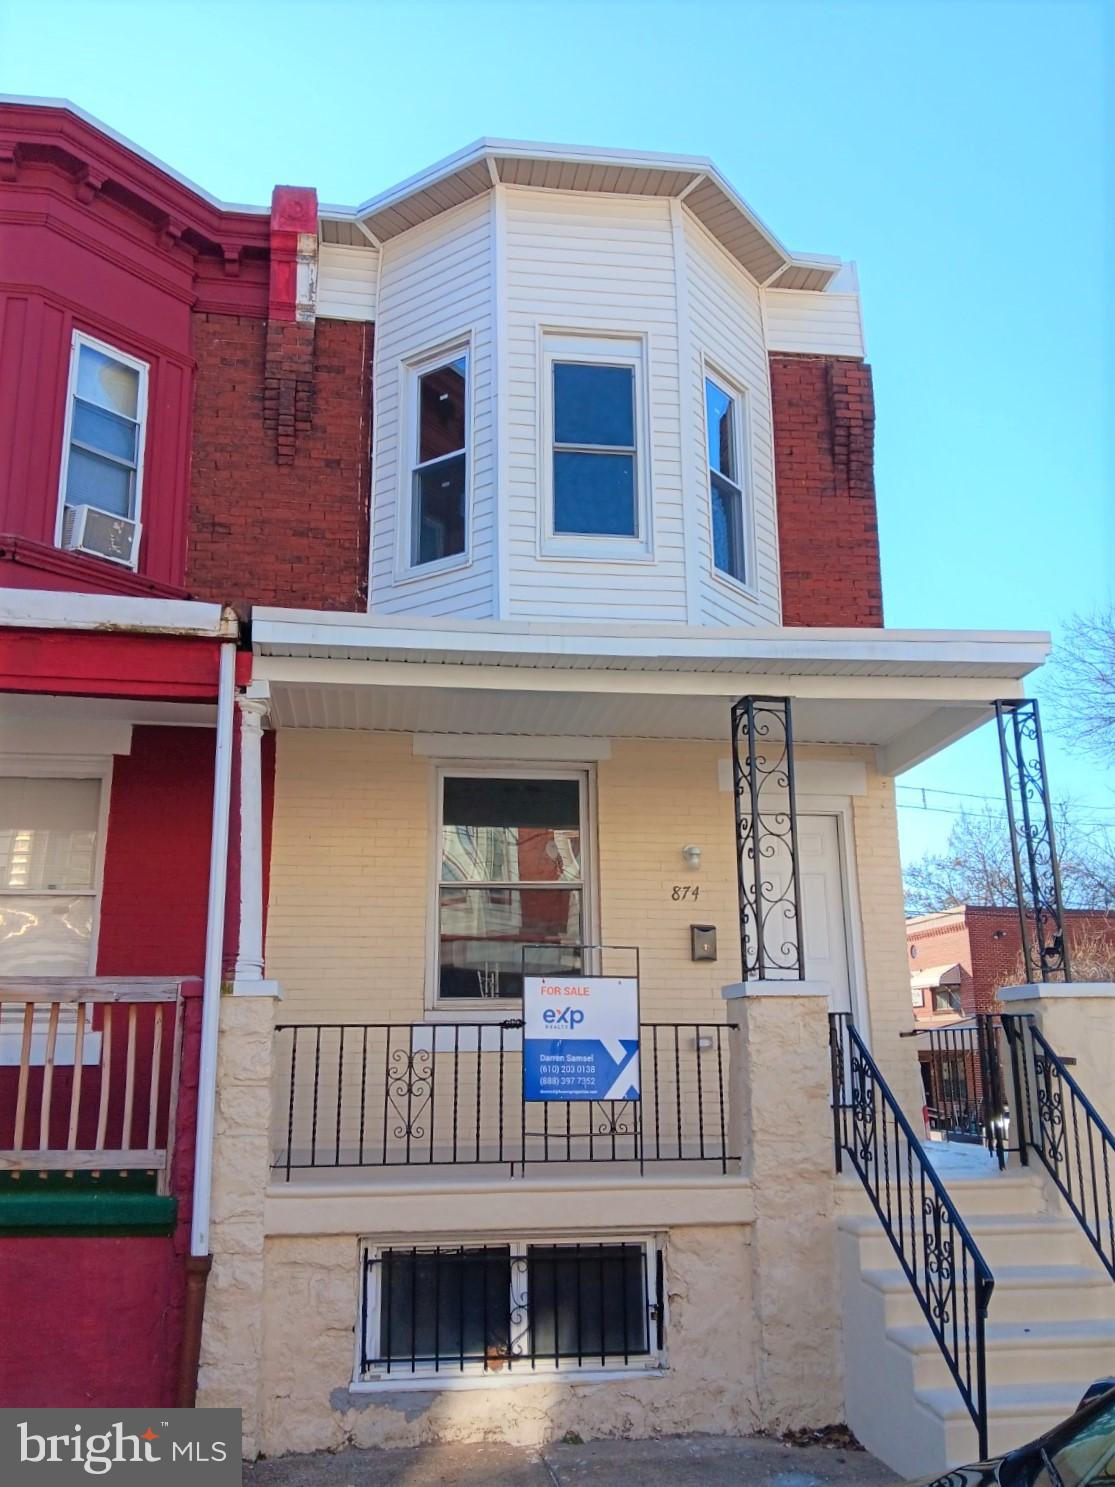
89,1074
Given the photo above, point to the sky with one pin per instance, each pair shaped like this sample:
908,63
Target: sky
960,153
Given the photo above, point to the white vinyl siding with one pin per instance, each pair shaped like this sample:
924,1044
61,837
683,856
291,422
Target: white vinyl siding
347,279
726,336
813,324
601,266
435,293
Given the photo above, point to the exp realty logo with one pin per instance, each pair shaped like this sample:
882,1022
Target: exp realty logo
60,1448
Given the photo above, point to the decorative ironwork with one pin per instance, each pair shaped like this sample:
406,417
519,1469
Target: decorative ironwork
766,838
492,1308
1033,843
1072,1140
946,1271
400,1095
962,1074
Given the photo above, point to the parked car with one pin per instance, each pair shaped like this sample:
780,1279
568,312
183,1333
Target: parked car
1080,1452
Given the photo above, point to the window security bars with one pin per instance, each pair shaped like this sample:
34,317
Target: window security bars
510,1308
962,1075
1037,873
381,1095
947,1273
1058,1122
767,839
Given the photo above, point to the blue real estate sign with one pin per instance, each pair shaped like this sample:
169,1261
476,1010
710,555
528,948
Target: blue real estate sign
580,1038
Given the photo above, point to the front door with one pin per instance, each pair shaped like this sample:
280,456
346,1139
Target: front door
823,907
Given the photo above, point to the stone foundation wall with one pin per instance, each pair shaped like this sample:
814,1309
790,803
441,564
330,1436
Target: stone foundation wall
311,1300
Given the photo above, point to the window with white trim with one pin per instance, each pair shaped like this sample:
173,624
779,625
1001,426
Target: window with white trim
510,1309
48,875
594,417
102,462
439,472
728,513
510,876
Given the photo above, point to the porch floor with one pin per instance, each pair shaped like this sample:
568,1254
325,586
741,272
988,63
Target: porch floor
484,1174
961,1161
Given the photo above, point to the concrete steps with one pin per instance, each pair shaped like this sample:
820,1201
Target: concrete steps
1050,1332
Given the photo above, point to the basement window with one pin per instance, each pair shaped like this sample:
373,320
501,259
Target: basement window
439,474
510,1309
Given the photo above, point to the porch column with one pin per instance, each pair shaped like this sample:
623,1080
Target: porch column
781,1117
248,977
1077,1020
770,929
1037,873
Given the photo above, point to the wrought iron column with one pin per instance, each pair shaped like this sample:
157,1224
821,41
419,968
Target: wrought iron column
1033,842
767,839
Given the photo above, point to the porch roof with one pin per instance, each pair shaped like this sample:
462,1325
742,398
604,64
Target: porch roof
906,693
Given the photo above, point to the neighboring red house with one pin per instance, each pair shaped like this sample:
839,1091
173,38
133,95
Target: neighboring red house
959,958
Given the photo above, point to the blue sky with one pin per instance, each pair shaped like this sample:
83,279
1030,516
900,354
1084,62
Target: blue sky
957,151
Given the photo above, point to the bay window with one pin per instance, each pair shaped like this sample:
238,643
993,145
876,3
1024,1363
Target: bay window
727,508
439,473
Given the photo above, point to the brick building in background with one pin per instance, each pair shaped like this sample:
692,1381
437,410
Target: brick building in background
959,958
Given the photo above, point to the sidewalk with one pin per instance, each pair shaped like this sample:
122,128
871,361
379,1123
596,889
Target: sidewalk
693,1461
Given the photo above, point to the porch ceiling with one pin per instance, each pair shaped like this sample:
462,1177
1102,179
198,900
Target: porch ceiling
906,694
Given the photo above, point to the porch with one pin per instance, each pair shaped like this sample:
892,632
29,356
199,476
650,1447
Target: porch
448,802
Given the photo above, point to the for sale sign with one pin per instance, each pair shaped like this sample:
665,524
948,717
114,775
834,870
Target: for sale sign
580,1038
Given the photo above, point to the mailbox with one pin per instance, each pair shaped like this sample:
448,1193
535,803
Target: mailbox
703,941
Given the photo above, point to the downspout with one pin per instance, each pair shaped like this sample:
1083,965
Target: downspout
199,1260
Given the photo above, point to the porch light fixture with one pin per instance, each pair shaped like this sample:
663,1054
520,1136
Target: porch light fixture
692,857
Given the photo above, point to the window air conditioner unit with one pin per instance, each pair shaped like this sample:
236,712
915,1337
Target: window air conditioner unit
99,533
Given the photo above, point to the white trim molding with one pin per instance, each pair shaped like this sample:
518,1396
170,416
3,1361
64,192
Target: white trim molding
1045,991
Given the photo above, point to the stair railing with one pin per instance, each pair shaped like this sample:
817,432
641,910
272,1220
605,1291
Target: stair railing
946,1271
1057,1120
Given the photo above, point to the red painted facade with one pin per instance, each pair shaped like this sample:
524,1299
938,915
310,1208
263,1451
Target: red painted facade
99,240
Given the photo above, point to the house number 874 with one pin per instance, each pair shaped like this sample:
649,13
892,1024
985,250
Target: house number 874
681,891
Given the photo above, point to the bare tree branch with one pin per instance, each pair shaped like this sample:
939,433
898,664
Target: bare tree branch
1081,683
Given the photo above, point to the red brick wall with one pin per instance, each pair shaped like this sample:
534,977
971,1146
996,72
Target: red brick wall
824,431
279,497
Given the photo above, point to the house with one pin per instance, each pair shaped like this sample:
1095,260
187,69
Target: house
960,957
541,487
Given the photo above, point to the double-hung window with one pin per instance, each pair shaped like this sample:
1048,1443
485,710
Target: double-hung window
510,875
439,474
728,511
597,503
510,1308
48,875
102,462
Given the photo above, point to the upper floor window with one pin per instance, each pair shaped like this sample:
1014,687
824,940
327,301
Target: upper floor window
102,462
439,477
728,514
597,495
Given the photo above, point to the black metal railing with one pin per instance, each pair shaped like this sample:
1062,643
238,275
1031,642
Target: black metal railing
767,838
388,1095
1057,1120
947,1273
508,1308
962,1075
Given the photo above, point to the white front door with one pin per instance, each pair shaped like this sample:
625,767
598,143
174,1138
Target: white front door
823,907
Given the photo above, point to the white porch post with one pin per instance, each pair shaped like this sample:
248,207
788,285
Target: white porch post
247,977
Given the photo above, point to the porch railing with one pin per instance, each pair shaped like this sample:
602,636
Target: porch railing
391,1095
1057,1120
88,1074
946,1271
966,1093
